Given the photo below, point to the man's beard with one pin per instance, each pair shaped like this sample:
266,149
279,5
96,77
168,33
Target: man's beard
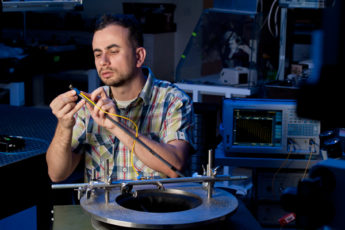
120,80
115,83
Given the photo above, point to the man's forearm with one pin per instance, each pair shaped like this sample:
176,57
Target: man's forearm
175,153
60,159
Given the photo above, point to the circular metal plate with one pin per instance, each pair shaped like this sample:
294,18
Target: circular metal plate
207,211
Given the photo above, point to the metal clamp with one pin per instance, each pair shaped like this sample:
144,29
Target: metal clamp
160,186
127,189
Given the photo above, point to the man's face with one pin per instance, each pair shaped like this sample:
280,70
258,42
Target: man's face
115,57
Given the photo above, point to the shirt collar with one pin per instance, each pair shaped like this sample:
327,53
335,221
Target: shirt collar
146,92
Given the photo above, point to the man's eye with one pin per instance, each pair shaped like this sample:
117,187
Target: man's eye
97,55
114,51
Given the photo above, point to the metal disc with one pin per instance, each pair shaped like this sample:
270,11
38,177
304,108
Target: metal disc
197,210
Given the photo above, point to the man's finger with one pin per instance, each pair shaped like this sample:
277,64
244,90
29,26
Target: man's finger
79,105
99,92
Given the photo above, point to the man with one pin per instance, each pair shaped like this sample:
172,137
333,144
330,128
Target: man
131,95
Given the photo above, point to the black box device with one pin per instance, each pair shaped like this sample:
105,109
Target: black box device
10,143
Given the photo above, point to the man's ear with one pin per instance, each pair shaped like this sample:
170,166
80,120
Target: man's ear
141,55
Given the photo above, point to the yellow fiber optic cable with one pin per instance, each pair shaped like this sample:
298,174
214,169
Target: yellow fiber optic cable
116,115
276,173
307,166
135,137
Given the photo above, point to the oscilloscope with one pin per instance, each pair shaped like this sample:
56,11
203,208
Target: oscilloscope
268,126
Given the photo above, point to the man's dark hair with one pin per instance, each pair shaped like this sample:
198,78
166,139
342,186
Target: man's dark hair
126,21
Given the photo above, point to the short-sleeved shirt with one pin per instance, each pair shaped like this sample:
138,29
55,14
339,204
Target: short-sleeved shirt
162,112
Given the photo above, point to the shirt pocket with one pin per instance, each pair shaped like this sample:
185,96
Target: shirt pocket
100,145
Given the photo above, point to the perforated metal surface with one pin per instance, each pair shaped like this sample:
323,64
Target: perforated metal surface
33,147
27,121
35,125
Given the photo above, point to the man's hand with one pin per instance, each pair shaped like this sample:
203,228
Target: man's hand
64,107
103,105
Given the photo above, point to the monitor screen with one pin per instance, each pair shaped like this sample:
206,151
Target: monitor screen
254,127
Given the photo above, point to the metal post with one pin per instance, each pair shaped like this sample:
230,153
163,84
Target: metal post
106,180
209,174
282,45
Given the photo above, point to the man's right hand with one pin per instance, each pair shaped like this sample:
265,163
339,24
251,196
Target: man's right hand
64,107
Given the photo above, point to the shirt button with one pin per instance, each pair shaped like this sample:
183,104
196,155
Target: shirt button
124,170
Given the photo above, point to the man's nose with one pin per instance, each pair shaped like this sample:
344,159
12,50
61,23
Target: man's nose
104,59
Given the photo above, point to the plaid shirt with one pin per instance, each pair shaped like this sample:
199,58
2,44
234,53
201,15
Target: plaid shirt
162,112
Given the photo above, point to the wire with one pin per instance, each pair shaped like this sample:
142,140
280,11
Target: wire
126,118
276,173
276,21
307,166
312,144
269,18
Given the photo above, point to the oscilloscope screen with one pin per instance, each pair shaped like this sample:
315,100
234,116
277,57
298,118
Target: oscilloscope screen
257,127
